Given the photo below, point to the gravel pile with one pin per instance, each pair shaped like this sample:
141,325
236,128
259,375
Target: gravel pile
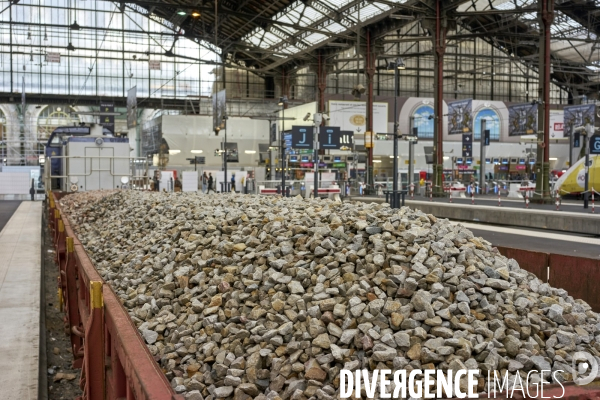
261,297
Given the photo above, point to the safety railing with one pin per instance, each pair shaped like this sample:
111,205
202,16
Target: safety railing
114,360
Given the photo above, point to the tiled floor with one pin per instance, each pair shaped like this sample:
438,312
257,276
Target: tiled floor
20,268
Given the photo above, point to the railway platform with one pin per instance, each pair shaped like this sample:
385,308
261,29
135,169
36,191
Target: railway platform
20,279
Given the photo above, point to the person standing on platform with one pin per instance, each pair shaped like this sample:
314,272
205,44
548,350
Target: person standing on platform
210,183
204,183
232,182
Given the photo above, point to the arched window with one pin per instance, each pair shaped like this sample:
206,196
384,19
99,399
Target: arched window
52,117
492,122
423,121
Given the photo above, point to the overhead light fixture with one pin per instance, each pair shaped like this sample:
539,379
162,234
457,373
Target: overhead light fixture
173,152
400,64
181,12
58,109
75,26
196,14
446,158
71,47
250,151
282,100
376,161
196,151
553,159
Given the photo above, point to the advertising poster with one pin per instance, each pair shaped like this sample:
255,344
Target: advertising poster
580,115
460,117
352,116
522,119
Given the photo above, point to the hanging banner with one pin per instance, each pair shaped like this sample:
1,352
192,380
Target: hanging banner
580,115
219,104
53,58
522,119
154,64
151,137
108,121
460,119
132,107
557,126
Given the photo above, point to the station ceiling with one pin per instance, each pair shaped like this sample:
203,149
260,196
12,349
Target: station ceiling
267,35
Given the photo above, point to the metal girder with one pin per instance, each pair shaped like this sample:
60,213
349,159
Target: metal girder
348,8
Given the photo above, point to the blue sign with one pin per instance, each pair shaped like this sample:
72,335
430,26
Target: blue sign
595,144
302,137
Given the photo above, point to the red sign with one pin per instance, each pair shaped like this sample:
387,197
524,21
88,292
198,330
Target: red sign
559,126
306,165
521,167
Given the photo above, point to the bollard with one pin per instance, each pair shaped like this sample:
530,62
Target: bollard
450,195
527,199
430,193
499,199
593,207
472,194
412,191
557,201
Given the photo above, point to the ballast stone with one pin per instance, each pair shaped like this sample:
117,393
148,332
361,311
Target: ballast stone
260,297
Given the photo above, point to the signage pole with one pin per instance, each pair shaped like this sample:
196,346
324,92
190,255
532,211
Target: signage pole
586,195
282,150
316,159
395,163
482,156
225,162
570,146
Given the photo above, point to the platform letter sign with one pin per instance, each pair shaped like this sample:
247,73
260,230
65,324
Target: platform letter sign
467,145
595,144
302,137
329,137
576,139
486,137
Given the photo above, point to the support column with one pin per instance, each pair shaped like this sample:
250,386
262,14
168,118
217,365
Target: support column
542,165
370,73
321,83
438,29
